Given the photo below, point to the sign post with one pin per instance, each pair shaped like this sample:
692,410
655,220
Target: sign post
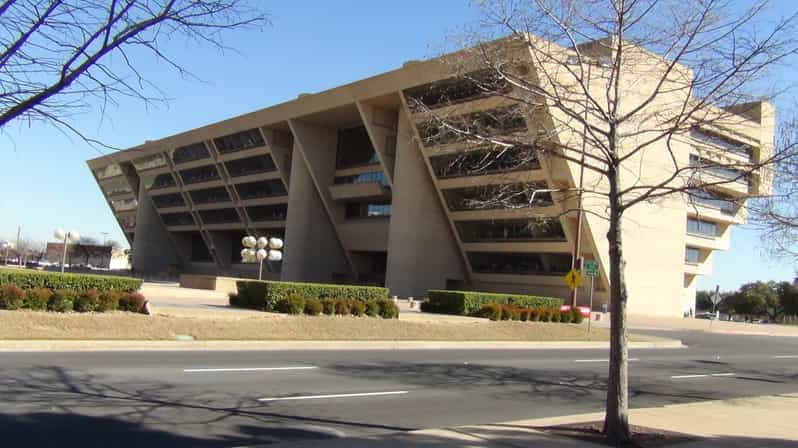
715,302
592,271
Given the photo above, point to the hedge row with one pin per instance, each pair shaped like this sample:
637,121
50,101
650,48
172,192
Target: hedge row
265,295
64,300
496,311
296,304
468,302
27,279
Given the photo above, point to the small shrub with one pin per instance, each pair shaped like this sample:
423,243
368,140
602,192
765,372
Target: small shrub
358,308
313,307
295,304
544,314
11,297
468,302
108,301
234,299
524,314
342,307
534,315
554,315
86,301
264,295
507,311
29,279
372,308
37,298
576,316
492,311
133,302
388,309
62,300
328,306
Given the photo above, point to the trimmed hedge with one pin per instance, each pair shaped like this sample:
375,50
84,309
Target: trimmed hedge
264,295
468,302
27,279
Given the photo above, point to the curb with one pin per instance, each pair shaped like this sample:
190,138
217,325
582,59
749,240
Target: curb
139,345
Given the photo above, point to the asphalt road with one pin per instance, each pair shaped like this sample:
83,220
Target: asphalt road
223,399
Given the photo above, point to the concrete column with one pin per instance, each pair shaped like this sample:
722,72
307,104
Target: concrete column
312,251
422,252
153,249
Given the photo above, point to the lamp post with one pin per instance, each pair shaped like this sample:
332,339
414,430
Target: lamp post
72,235
258,249
7,246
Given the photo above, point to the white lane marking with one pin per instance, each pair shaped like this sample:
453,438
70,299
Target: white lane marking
314,397
600,360
248,369
785,357
703,375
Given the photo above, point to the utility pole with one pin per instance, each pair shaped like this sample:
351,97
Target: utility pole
577,255
19,254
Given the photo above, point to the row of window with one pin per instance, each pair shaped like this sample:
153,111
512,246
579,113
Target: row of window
476,163
363,178
491,197
692,255
511,230
701,227
713,168
499,121
189,153
358,210
714,140
519,263
456,90
228,215
239,141
726,204
251,190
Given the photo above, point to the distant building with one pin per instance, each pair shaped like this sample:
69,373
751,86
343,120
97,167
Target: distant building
80,255
367,189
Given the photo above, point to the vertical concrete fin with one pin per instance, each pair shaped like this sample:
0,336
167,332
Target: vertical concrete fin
422,250
280,144
154,250
312,249
380,124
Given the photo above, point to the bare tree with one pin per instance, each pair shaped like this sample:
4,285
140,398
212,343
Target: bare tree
619,90
59,58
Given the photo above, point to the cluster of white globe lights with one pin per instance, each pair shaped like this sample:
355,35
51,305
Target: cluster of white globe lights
258,249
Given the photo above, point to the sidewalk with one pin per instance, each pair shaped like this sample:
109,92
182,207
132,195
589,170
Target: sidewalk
637,322
770,421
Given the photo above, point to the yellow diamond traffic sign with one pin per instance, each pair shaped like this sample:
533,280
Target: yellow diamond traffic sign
573,279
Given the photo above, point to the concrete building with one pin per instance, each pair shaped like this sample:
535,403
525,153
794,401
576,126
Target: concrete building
362,191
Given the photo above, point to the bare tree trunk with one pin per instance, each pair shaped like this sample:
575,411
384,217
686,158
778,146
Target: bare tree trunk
616,421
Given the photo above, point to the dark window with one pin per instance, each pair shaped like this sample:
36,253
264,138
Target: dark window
714,140
354,148
725,204
517,263
250,165
711,167
363,178
199,250
494,122
497,196
188,153
261,189
455,90
356,210
516,158
692,255
219,216
178,219
164,180
168,200
210,195
277,212
239,141
205,173
511,230
699,227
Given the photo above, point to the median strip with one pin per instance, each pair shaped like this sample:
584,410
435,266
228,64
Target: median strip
248,369
315,397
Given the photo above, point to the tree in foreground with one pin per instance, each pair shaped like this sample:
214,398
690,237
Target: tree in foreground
59,58
619,91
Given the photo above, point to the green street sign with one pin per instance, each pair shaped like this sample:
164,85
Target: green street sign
591,268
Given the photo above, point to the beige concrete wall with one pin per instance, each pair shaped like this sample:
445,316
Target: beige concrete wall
422,251
153,250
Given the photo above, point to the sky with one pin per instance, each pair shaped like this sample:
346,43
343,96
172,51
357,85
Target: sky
310,46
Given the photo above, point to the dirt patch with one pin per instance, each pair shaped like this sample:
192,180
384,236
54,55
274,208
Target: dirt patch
167,324
642,437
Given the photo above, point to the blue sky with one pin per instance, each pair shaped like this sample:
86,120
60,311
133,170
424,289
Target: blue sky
311,46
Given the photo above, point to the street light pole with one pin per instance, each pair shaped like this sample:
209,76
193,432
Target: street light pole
578,243
71,235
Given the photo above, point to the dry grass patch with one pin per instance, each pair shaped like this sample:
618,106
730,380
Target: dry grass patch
263,326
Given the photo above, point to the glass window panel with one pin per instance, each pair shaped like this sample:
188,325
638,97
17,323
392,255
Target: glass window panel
511,230
499,121
700,227
692,255
209,195
520,263
219,216
497,197
168,200
715,141
475,163
239,141
154,182
455,90
725,204
357,210
276,212
363,178
188,153
261,189
178,219
205,173
250,165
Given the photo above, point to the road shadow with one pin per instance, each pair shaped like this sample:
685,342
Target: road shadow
50,406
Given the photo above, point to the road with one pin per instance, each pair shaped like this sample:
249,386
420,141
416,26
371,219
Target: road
224,399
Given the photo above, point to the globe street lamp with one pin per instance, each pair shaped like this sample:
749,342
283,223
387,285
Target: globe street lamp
258,249
72,235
